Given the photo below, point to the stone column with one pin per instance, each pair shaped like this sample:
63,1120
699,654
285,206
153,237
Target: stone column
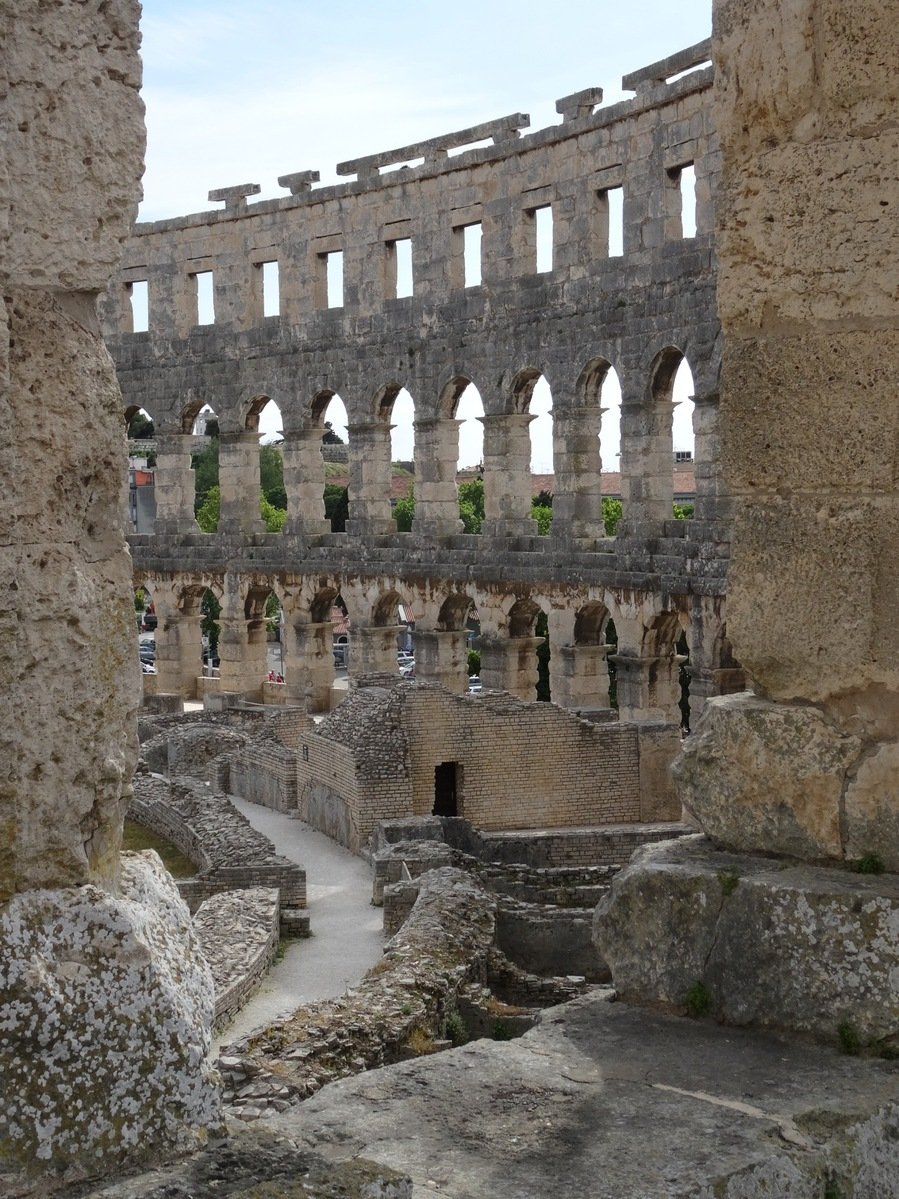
369,472
239,484
304,482
510,664
648,687
243,651
579,676
713,501
507,475
374,650
179,652
107,1003
441,656
174,485
436,500
647,460
577,500
309,664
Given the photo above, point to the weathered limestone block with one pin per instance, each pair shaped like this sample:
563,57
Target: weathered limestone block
767,778
872,807
70,680
107,1010
792,947
74,139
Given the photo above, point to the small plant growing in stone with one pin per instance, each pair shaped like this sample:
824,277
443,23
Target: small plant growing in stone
502,1030
406,1009
420,1042
847,1035
454,1028
870,863
699,1000
729,880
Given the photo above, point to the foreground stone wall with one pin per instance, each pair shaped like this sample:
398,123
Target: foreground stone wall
105,1005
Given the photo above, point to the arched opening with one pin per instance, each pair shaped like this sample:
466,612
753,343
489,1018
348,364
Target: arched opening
200,421
329,606
146,619
462,402
329,415
584,665
141,430
671,385
397,409
458,621
210,609
528,620
263,416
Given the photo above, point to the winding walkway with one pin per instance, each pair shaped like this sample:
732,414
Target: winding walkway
347,935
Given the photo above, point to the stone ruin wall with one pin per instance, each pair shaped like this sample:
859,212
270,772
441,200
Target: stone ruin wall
375,760
640,311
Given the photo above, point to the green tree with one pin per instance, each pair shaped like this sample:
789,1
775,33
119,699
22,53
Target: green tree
273,517
337,506
611,515
208,512
209,627
471,505
543,516
683,511
271,475
141,427
474,661
404,511
206,473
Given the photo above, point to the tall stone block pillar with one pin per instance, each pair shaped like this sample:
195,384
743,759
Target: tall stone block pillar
107,1004
577,501
441,656
374,650
179,651
243,648
239,484
507,475
309,664
174,485
510,664
304,480
369,485
579,676
646,460
436,500
648,687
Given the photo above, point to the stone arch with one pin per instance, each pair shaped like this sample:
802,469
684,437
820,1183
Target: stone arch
384,612
454,612
521,388
322,602
590,623
252,410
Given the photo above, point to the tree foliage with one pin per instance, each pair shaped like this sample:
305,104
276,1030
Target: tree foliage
471,505
271,475
141,427
337,506
611,515
210,511
206,475
404,511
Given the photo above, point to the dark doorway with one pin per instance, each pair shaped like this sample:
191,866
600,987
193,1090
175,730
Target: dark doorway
446,789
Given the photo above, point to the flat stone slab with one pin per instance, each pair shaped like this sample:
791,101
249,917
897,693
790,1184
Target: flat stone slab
606,1101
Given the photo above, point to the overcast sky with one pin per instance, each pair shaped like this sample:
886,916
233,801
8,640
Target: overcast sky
243,93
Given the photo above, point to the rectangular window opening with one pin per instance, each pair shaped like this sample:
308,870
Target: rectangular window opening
402,249
271,290
472,235
334,278
205,298
138,293
615,208
543,236
688,200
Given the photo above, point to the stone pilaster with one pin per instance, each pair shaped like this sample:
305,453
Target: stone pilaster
646,460
309,662
510,664
579,676
374,650
648,687
174,485
304,481
369,471
577,499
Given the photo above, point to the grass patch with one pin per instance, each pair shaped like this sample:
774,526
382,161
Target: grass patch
136,837
870,863
455,1028
699,1000
420,1042
729,880
847,1035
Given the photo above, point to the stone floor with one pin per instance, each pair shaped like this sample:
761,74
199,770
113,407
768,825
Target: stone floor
600,1101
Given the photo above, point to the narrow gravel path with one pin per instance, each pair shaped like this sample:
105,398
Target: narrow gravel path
346,939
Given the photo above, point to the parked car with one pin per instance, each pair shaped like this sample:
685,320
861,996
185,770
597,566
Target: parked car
147,652
474,684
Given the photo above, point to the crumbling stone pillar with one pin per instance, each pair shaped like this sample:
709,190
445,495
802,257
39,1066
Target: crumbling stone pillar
179,650
304,479
369,486
510,664
441,656
579,676
507,475
106,1005
243,649
174,485
577,500
309,658
436,500
648,686
239,485
646,457
374,650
